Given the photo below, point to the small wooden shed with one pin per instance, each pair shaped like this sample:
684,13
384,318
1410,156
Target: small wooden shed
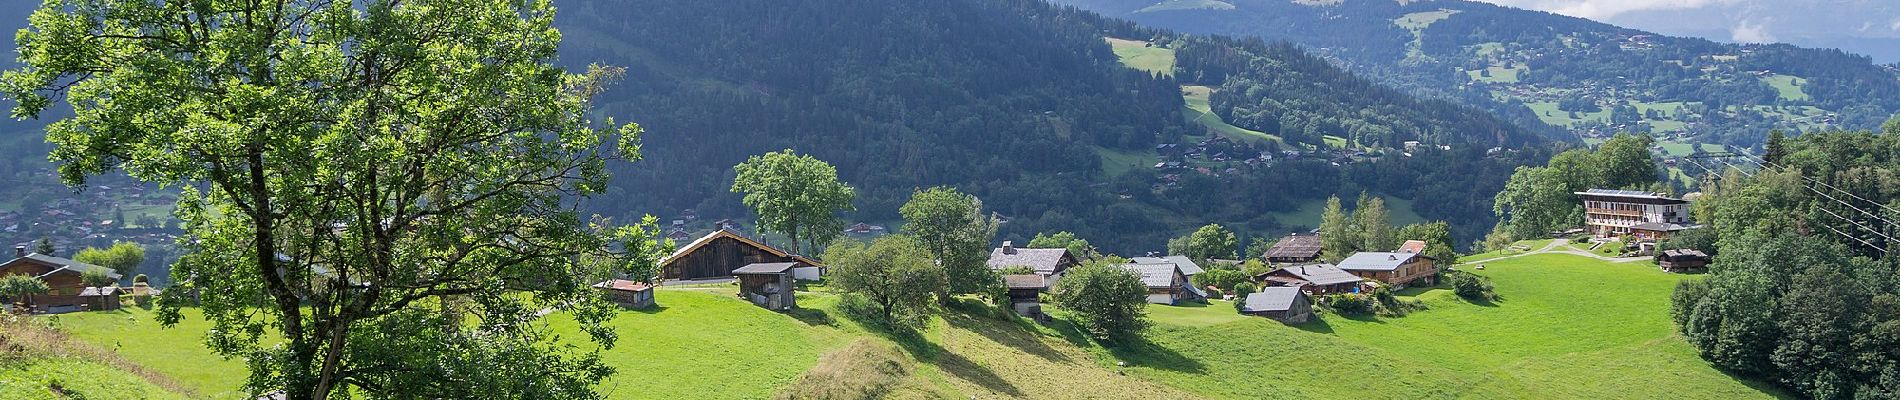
1286,304
627,293
104,298
768,285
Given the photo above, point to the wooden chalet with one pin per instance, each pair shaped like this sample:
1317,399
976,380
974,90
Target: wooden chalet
717,254
1682,260
1294,249
627,293
68,291
769,285
1392,268
1314,279
1286,304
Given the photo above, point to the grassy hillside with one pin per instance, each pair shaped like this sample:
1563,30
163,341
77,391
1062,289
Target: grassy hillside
37,362
1565,327
1143,55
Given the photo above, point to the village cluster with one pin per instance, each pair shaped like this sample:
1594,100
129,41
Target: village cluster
767,276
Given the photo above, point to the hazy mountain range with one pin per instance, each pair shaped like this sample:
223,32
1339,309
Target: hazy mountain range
1870,27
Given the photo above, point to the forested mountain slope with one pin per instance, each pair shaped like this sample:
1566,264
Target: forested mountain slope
1020,102
1012,100
1592,78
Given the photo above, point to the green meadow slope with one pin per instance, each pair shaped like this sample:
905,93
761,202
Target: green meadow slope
1566,327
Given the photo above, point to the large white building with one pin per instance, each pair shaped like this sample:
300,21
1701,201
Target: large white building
1633,214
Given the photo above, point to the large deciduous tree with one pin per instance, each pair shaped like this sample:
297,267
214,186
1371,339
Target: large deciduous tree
1339,236
796,195
894,273
1535,202
1077,246
1211,241
122,257
387,185
1110,300
1437,238
1375,224
952,227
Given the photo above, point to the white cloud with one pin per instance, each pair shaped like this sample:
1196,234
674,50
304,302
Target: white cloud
1751,32
1603,9
1895,26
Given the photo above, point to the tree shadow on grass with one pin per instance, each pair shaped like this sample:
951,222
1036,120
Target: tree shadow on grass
812,317
1760,386
1008,334
923,349
1139,351
654,309
1316,325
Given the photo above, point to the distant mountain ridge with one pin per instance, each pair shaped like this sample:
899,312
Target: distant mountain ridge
1586,76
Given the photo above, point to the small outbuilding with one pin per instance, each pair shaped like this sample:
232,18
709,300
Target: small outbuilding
1682,260
768,285
1286,304
103,298
627,293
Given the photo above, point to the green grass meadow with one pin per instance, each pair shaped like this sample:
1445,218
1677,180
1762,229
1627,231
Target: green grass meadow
1565,327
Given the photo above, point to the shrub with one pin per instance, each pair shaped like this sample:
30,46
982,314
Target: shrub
1349,303
141,278
97,278
1241,290
893,275
1111,301
1470,286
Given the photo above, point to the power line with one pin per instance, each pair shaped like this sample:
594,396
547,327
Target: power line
1764,164
1718,158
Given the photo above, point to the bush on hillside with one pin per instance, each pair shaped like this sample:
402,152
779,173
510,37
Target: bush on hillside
1240,294
1470,286
1111,301
1349,303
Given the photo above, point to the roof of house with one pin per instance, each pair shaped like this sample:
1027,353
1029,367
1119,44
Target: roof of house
1295,246
1025,281
1044,261
1155,275
1663,227
623,285
65,265
100,291
1322,274
1412,246
1188,267
765,268
703,240
1276,298
1376,261
1676,253
1628,194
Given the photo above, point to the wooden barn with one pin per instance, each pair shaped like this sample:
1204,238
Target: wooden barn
627,293
768,285
717,254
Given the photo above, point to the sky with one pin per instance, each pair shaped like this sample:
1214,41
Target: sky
1870,27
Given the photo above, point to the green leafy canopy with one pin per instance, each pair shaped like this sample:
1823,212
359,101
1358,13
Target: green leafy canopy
387,185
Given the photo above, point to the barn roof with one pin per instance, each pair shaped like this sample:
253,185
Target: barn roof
1412,246
623,285
765,268
1028,281
1376,261
1275,298
1044,261
64,265
1322,274
1154,275
1188,267
722,233
1295,246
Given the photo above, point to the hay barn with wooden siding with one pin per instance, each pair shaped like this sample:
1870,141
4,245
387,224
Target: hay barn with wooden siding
627,293
717,254
768,285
